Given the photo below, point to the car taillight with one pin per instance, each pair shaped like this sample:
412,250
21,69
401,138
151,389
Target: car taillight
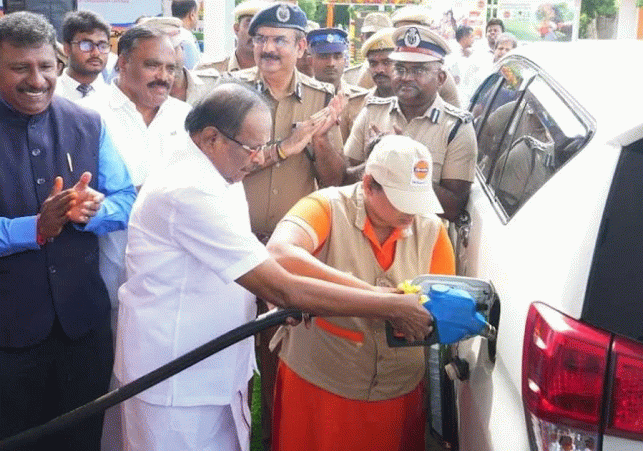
626,410
563,377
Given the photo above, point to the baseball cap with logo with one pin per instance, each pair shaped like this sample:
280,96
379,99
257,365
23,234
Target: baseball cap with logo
404,168
418,44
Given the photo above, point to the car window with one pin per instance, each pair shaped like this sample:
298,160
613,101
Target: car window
543,134
493,108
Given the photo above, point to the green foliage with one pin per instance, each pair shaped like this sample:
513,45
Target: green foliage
593,8
309,7
639,3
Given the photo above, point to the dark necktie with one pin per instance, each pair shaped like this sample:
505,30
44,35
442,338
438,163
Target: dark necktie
84,89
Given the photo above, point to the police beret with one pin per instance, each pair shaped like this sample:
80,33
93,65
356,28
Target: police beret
415,43
327,40
248,8
382,40
279,15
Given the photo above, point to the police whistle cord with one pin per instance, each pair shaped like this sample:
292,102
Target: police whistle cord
270,319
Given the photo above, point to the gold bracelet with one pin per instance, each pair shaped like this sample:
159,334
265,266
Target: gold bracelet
280,152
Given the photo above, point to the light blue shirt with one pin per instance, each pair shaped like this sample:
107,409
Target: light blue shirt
19,234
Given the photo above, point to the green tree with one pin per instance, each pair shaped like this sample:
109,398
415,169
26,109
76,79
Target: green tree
589,9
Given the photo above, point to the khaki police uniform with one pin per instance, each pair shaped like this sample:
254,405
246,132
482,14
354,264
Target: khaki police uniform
356,97
200,83
351,75
273,190
444,129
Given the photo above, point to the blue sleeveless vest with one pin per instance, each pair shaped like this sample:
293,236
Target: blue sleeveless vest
61,278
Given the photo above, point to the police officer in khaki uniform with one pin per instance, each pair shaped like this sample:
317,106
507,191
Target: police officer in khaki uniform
403,16
375,51
373,22
328,51
242,57
308,145
418,111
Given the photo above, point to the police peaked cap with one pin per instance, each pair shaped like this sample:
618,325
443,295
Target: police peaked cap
279,15
327,40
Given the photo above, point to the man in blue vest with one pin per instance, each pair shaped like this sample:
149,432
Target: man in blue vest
55,337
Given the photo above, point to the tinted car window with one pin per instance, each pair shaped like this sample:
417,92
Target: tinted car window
493,108
543,133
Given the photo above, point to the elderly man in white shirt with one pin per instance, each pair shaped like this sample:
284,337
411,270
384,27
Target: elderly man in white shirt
86,44
147,126
194,268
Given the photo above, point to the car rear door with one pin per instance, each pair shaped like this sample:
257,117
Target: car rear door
528,130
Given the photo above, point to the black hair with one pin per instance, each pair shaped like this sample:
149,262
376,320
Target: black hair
130,39
462,32
495,21
27,29
181,8
82,22
225,108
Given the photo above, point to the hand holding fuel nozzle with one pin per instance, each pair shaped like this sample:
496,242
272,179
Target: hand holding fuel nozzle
454,316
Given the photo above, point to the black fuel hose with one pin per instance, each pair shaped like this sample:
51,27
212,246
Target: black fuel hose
270,319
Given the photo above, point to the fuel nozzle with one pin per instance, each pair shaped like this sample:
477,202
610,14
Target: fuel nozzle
455,317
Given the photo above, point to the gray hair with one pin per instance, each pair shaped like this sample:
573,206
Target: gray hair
507,37
27,29
225,108
130,39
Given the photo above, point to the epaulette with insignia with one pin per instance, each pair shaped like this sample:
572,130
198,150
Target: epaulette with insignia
248,75
461,114
374,100
353,68
316,84
352,91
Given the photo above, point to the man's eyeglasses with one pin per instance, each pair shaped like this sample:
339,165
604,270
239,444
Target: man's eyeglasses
415,71
252,151
278,41
88,46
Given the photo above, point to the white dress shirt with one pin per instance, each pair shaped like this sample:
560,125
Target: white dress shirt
189,240
67,87
143,148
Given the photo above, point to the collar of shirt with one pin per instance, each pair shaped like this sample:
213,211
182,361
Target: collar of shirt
118,99
432,113
294,89
358,211
72,83
9,112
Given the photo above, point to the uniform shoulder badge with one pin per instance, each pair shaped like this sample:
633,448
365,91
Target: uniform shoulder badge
374,100
352,91
248,75
316,84
461,114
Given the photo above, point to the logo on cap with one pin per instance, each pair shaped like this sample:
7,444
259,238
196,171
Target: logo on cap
330,38
412,37
420,172
283,13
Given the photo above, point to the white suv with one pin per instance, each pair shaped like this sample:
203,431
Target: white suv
555,223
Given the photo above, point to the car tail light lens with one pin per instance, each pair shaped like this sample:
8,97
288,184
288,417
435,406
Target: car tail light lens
564,364
626,413
563,378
